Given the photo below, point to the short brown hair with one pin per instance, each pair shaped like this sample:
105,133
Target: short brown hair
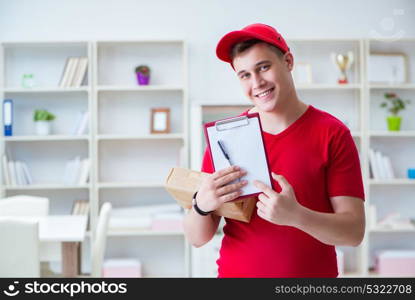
245,45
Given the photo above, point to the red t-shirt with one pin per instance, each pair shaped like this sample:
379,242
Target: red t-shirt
318,157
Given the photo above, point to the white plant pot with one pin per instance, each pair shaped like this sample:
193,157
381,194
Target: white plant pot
42,127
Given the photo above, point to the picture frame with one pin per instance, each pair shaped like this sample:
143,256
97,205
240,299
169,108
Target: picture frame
302,73
160,120
389,68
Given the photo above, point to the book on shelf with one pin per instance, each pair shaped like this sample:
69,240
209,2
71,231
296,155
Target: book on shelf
5,170
71,171
74,72
82,123
373,165
28,176
16,172
84,171
80,72
380,165
80,207
12,171
67,70
19,173
64,73
76,171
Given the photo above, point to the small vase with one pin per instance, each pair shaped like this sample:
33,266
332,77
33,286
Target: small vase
28,81
394,123
42,127
142,79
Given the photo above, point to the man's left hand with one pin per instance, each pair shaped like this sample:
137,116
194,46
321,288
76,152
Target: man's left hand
279,208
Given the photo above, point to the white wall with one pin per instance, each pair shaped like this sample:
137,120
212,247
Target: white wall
202,23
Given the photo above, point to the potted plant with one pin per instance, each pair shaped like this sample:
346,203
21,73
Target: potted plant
394,105
143,74
43,120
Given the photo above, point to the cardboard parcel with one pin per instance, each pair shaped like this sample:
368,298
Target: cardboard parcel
183,183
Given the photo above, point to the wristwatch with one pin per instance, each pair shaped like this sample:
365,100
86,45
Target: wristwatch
197,209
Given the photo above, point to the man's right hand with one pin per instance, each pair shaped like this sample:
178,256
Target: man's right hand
216,190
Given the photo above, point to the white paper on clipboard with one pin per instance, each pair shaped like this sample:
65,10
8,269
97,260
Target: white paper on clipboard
242,139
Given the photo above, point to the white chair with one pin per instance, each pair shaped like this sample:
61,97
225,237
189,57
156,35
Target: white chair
24,206
98,246
31,208
19,251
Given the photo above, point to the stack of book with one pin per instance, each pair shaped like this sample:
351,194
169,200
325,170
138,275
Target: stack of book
80,207
77,171
15,172
380,165
74,72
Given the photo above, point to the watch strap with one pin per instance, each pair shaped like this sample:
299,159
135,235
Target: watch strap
197,208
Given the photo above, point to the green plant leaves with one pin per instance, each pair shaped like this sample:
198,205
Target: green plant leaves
396,104
43,115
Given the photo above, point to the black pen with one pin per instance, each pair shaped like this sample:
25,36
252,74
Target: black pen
222,148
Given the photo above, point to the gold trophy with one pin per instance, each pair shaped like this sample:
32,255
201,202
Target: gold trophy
343,62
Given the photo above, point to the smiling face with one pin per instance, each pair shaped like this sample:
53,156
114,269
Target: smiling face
265,77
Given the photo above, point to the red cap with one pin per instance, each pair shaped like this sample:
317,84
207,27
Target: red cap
257,31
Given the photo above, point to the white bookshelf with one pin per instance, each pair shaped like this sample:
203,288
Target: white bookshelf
132,163
356,104
395,195
122,150
46,156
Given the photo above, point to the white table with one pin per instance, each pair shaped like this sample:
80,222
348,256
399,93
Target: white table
69,230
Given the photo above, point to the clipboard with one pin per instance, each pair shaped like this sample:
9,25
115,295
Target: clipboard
244,144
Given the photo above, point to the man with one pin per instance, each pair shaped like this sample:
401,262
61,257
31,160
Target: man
316,201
